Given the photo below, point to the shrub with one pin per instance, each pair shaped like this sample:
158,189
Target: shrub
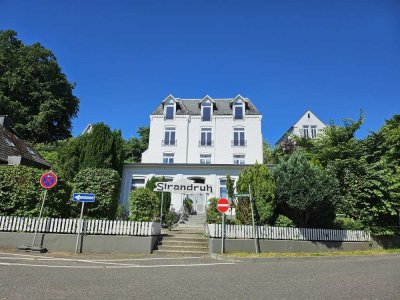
151,185
188,205
171,218
105,184
144,205
213,216
348,223
283,221
21,194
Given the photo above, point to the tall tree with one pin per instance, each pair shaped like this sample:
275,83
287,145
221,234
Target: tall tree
33,90
134,147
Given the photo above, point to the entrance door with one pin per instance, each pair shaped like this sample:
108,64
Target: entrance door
199,200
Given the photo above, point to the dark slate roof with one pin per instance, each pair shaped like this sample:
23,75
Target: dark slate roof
221,107
18,148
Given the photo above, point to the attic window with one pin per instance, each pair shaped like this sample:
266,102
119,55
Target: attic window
10,143
206,111
170,110
30,151
238,110
309,115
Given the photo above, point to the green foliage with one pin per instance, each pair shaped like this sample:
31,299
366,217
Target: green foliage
283,221
105,184
171,219
102,148
21,194
268,156
33,90
144,205
261,180
213,216
151,185
188,205
134,147
229,187
348,223
304,192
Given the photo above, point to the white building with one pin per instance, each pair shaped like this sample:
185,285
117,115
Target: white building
308,126
198,139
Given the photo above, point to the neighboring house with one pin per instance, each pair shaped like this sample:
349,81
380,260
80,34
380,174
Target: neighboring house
201,140
88,129
308,126
15,151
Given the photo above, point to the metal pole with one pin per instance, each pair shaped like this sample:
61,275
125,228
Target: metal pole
79,228
223,233
254,226
162,202
40,215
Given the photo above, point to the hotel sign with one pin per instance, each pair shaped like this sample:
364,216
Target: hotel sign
184,187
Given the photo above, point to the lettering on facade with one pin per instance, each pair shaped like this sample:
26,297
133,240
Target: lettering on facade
179,188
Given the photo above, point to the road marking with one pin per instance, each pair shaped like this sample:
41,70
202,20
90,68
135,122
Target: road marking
113,267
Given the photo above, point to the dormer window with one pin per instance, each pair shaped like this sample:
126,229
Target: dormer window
238,110
169,110
206,111
10,143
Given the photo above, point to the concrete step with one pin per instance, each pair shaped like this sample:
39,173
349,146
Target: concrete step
183,248
184,240
182,252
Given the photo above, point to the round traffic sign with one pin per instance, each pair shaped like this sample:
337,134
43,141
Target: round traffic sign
223,205
48,180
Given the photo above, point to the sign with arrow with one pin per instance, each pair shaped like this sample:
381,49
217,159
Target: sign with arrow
241,195
80,197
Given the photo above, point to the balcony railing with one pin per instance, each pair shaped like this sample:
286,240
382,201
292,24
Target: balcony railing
206,143
169,142
239,143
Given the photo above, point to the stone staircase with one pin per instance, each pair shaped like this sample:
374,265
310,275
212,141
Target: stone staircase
186,239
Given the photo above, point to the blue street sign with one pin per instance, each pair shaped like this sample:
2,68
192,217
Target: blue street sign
79,197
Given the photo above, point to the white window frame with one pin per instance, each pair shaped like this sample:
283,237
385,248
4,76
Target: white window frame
168,158
314,131
140,185
241,133
10,142
169,141
239,159
306,134
205,159
169,103
206,104
208,141
238,104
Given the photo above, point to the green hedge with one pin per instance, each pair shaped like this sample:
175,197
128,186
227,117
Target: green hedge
144,205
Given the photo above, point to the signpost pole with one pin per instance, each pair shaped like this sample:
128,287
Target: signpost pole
79,228
223,233
162,205
254,225
40,216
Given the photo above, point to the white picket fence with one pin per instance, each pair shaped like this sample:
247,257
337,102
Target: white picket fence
56,225
287,233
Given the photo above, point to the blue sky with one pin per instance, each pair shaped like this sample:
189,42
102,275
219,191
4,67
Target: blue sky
332,57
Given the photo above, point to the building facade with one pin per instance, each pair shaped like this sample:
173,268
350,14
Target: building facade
202,140
308,126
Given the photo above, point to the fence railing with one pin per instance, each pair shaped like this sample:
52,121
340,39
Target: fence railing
57,225
287,233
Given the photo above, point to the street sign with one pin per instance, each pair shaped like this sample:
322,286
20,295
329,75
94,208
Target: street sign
80,197
48,180
223,205
184,186
241,195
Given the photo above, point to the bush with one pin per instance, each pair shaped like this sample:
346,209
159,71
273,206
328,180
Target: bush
348,223
151,185
283,221
144,205
21,194
105,184
188,205
171,218
213,216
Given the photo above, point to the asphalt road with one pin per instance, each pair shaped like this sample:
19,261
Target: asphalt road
149,277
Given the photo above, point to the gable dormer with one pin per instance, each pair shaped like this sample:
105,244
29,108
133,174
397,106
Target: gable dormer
207,108
238,105
169,105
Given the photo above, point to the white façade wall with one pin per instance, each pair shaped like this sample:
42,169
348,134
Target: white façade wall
308,119
188,130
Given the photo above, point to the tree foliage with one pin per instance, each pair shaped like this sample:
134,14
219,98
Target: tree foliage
304,192
105,184
21,194
261,181
134,147
144,205
33,90
151,185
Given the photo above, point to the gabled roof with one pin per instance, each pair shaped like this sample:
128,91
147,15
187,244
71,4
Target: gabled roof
222,106
15,150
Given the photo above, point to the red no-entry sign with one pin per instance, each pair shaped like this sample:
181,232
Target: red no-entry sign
223,205
48,180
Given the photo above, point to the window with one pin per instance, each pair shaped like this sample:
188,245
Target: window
170,110
30,151
305,132
239,159
10,143
223,192
313,132
238,110
205,159
206,137
169,137
137,183
238,137
168,158
206,111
